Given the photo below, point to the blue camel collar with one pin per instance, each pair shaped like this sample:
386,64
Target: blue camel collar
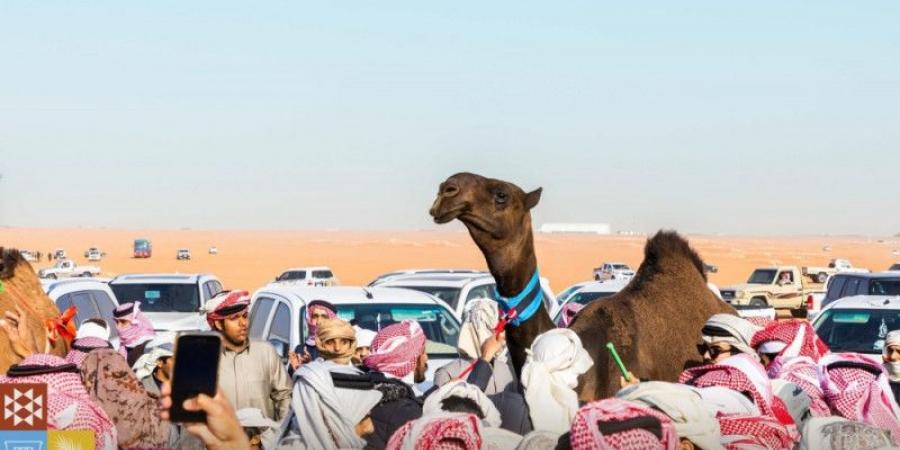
523,306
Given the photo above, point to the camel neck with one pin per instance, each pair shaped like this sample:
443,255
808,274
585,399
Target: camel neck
513,265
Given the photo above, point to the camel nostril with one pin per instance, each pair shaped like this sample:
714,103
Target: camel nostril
450,190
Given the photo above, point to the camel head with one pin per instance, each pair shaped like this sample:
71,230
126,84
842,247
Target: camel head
495,211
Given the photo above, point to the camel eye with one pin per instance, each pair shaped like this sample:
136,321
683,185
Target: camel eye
500,197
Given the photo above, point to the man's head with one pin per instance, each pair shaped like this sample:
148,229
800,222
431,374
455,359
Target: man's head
227,314
94,327
716,352
336,340
364,339
399,350
725,335
123,315
891,355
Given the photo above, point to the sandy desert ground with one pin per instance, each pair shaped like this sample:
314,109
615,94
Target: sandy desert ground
249,259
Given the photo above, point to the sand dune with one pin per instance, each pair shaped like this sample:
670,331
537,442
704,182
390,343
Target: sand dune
249,259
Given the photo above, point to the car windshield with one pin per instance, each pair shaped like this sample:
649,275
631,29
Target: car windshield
584,297
885,287
449,295
292,275
440,327
856,330
621,267
895,267
160,297
762,276
566,293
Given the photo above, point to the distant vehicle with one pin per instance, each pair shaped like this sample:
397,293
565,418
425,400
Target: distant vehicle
588,293
143,248
59,254
94,254
820,274
613,271
183,253
68,268
894,268
457,289
172,302
277,315
91,298
320,276
87,253
28,256
214,250
406,272
781,287
858,323
709,268
562,296
848,284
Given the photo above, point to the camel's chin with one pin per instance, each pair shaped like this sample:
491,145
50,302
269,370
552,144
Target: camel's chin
445,218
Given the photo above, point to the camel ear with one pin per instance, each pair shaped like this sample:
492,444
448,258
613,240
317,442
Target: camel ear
532,198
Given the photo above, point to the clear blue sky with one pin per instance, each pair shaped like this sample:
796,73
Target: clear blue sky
717,116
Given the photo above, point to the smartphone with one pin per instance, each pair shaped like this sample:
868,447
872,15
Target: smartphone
196,371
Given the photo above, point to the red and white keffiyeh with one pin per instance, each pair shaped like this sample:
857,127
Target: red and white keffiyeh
799,339
761,321
857,388
803,372
225,305
139,330
444,431
313,328
69,406
630,434
396,348
740,432
81,347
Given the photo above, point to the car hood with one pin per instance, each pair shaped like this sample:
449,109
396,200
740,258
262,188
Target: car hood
177,321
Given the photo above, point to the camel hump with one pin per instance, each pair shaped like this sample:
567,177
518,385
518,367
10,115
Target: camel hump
668,244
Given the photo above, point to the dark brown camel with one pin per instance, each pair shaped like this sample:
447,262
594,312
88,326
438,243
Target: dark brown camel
22,288
654,322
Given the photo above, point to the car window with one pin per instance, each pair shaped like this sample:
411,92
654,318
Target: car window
448,295
321,274
486,291
217,287
292,275
885,287
258,316
105,304
64,302
850,287
835,287
586,297
856,330
440,327
281,323
85,306
160,297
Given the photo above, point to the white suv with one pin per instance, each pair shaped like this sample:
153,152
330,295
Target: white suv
91,298
858,324
277,315
457,289
613,271
308,276
172,302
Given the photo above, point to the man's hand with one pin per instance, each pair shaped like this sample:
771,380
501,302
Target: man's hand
21,339
294,360
492,346
632,380
222,429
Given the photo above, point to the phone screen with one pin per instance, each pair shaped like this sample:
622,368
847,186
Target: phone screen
196,371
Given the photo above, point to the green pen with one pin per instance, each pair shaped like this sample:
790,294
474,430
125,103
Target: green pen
1,287
615,355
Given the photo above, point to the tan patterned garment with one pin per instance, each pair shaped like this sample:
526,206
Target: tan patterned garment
114,387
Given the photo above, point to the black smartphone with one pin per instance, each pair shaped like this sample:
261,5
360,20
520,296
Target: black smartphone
196,371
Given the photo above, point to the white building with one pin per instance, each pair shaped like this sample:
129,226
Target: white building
592,228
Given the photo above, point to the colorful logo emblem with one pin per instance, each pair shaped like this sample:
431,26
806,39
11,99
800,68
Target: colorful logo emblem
24,406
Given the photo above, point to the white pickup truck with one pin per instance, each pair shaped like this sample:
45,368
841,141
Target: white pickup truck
68,268
821,274
613,271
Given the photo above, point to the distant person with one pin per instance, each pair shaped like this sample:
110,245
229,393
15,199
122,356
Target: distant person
251,374
364,340
49,256
891,356
37,256
135,330
315,310
785,278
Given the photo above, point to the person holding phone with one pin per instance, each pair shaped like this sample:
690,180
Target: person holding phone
251,375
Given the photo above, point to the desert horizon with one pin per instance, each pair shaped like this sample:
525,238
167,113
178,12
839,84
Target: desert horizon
248,259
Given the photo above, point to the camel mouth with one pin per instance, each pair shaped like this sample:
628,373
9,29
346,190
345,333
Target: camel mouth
478,223
447,216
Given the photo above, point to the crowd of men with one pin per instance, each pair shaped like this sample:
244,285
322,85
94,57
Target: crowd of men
762,387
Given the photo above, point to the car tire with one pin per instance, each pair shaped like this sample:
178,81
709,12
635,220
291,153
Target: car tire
52,276
821,277
86,275
759,302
